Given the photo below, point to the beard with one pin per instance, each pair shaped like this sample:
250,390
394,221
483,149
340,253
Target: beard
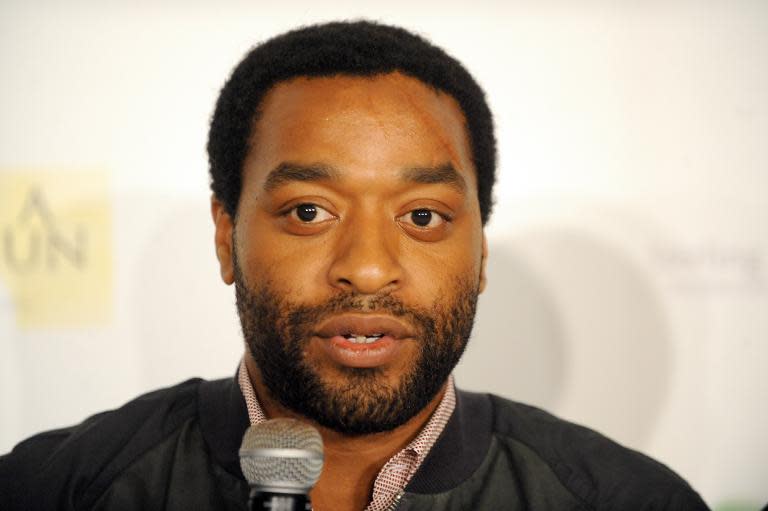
276,332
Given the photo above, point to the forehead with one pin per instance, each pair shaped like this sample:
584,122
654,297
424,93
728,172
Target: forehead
375,124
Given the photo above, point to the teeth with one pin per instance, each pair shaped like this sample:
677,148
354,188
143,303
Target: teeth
362,339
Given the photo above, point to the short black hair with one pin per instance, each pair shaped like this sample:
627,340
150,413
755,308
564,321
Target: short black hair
355,48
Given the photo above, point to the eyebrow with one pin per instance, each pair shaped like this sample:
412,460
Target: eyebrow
287,172
442,174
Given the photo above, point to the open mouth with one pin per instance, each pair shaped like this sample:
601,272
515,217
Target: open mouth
363,339
363,328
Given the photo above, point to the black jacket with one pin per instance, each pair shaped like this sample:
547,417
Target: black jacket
176,449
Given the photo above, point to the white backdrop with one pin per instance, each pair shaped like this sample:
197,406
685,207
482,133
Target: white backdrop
629,248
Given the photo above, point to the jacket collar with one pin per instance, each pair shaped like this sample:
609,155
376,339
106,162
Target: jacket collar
223,420
459,450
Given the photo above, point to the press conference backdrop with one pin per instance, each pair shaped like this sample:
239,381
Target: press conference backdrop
628,276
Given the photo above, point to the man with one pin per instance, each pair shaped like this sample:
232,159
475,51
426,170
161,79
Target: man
352,167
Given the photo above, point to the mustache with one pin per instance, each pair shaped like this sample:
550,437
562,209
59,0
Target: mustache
352,302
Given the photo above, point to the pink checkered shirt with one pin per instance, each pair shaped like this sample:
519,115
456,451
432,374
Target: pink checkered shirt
394,476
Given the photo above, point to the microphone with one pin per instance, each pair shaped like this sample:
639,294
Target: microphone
281,459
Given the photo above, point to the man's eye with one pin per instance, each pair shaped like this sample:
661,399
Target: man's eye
310,213
424,218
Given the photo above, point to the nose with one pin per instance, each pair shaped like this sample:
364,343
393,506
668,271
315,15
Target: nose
366,259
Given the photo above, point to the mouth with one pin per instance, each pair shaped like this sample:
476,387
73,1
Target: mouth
363,328
363,340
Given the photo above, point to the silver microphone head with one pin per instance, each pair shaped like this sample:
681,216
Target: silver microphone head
282,456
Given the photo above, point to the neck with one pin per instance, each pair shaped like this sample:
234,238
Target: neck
351,463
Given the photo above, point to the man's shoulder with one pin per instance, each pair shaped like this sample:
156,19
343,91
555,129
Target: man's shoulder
103,444
594,468
149,415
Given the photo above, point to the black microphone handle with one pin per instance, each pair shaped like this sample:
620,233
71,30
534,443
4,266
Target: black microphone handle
271,501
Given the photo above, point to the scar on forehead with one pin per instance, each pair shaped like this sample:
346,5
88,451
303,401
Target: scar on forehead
287,172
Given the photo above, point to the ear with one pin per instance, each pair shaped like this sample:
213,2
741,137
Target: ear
224,250
483,262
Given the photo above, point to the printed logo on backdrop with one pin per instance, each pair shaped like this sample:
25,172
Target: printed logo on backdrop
714,267
56,248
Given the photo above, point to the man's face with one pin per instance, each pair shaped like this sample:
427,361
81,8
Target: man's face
358,250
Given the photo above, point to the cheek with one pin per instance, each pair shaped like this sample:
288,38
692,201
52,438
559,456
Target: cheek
433,267
459,257
289,264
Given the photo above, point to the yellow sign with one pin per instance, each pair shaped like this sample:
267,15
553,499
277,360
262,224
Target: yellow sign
56,247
